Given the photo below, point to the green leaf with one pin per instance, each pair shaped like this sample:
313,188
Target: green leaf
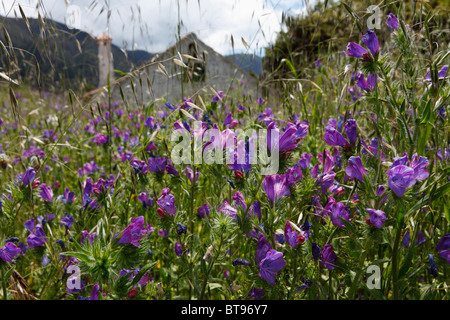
80,256
406,263
213,286
440,192
377,294
426,113
9,273
141,273
291,66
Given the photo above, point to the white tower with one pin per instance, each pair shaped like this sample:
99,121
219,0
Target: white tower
105,60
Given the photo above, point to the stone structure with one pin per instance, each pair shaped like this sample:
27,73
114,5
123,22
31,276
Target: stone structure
168,79
105,60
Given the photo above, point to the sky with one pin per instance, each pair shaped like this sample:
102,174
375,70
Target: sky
152,25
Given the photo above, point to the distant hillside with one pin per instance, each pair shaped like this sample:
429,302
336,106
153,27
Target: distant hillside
67,57
250,62
139,57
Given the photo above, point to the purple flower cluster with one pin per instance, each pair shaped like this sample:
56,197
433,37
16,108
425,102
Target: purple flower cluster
269,261
403,175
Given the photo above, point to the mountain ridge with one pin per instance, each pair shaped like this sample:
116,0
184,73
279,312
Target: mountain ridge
65,56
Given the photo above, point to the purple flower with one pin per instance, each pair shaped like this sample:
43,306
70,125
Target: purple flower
171,170
381,189
333,138
100,139
279,238
445,254
271,265
441,73
306,227
181,229
444,247
355,50
328,257
169,106
28,176
190,174
149,122
306,285
228,210
356,169
228,119
45,260
369,84
262,248
238,198
337,211
400,160
351,130
94,292
147,202
362,82
85,234
167,202
216,98
315,171
134,232
255,210
325,180
67,221
372,80
433,268
203,211
29,224
371,41
287,141
185,104
257,294
392,21
157,164
9,252
178,249
421,238
354,92
316,250
305,160
293,175
377,217
444,243
318,63
37,238
400,178
328,162
266,116
418,165
240,262
302,129
291,235
68,196
275,187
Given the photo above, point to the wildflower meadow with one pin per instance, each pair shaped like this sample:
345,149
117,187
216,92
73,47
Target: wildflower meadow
332,183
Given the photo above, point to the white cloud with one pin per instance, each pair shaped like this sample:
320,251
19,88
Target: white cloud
152,25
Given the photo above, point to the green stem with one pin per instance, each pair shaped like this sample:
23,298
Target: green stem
330,292
5,291
395,263
391,92
352,292
192,199
211,265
